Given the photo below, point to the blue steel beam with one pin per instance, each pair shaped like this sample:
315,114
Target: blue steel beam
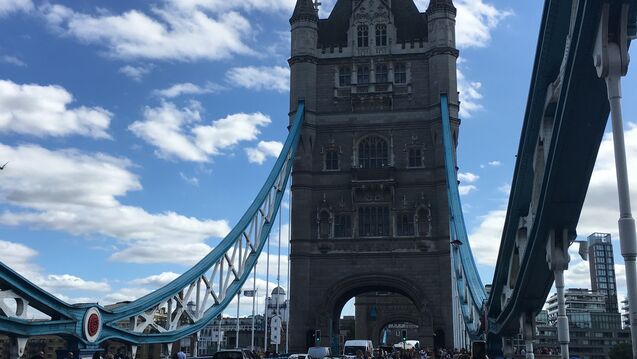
467,278
576,119
68,320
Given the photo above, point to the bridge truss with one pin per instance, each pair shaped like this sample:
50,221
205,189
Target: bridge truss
211,284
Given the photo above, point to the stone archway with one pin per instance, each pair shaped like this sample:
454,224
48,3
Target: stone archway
338,295
381,325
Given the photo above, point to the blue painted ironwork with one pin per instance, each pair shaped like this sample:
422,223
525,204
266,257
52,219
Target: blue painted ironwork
564,123
210,285
471,292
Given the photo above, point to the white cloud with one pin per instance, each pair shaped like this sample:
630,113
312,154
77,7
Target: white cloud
470,95
601,209
495,163
187,88
43,111
136,72
67,281
191,180
74,192
275,78
475,21
246,5
485,240
156,280
505,189
176,133
465,190
169,33
13,61
468,177
126,294
18,257
264,149
9,6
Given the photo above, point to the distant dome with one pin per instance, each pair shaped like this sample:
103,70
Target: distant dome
278,290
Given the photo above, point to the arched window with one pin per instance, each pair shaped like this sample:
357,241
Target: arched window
381,35
324,225
372,152
363,36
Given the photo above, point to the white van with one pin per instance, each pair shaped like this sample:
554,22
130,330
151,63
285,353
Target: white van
352,346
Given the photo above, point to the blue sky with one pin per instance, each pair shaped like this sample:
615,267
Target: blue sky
138,132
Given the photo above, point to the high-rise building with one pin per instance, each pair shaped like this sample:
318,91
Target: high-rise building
625,311
602,268
577,301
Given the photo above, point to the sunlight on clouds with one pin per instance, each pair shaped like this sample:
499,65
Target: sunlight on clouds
275,78
136,72
485,240
13,60
177,133
186,35
36,110
187,88
601,208
10,6
285,6
470,95
157,279
264,150
74,192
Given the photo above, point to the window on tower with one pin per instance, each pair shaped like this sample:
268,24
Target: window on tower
405,224
362,74
424,223
400,73
381,73
414,157
381,35
342,226
331,159
324,225
373,221
363,36
372,152
344,76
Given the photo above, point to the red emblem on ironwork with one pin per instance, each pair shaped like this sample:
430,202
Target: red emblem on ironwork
93,325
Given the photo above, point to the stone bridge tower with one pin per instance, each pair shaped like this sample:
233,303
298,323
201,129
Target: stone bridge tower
369,205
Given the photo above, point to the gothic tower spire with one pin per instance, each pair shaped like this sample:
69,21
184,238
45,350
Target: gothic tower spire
304,10
438,5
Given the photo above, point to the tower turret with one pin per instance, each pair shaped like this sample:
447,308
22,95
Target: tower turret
441,19
304,28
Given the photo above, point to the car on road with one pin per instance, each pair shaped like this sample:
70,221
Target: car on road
318,352
231,354
298,356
